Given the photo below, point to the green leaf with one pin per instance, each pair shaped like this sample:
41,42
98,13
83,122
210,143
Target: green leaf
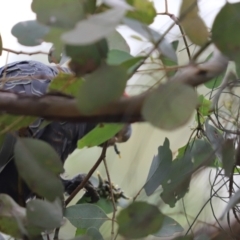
215,82
94,234
144,11
12,217
61,13
160,168
132,64
103,203
44,214
81,232
29,33
86,59
99,135
39,165
66,83
202,153
53,36
164,46
89,6
117,57
100,24
170,105
176,184
116,41
190,158
192,23
205,105
85,216
112,80
139,220
13,122
225,31
228,156
168,62
169,228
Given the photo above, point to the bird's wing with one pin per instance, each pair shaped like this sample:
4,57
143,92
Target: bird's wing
26,77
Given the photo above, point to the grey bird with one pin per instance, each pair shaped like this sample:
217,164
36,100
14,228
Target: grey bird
33,78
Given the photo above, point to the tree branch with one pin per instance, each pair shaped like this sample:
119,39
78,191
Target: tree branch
64,108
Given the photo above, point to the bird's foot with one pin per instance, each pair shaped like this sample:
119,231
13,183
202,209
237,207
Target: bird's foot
71,184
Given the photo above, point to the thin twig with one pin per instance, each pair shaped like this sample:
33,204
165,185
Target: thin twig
92,170
25,53
112,197
185,41
200,51
166,6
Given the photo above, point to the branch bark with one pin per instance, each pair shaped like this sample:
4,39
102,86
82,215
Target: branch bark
64,108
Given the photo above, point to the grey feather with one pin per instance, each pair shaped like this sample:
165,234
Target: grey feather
33,78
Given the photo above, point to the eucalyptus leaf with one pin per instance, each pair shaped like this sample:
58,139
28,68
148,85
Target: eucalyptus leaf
176,185
170,105
143,11
169,228
94,234
139,220
202,153
192,23
205,105
100,24
160,168
39,165
53,36
112,80
117,57
116,41
225,34
168,62
12,217
66,83
103,203
61,13
14,122
215,82
44,214
131,65
99,135
81,232
85,216
164,46
29,33
85,59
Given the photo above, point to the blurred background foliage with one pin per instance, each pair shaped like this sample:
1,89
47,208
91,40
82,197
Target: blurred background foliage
131,170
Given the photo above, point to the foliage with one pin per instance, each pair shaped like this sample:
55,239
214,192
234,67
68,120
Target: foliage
101,63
